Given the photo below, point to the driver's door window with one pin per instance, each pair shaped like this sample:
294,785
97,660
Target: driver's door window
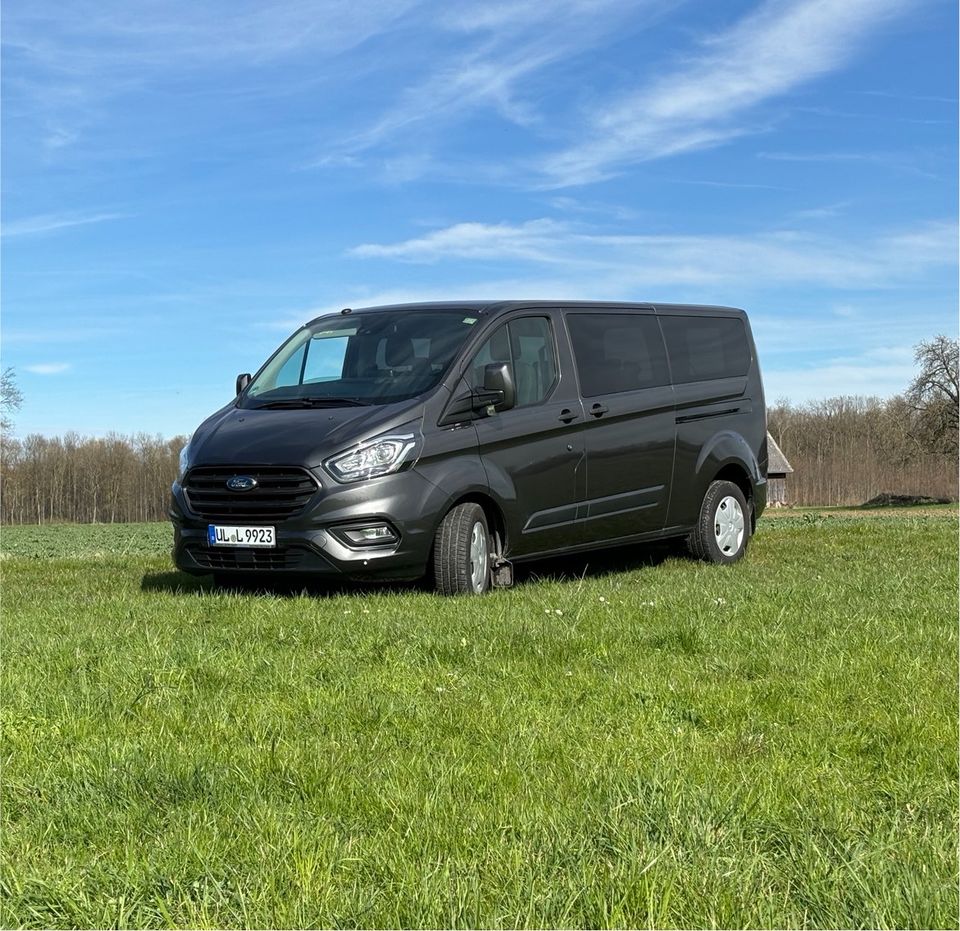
495,349
526,344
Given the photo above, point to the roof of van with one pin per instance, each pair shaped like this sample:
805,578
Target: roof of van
497,307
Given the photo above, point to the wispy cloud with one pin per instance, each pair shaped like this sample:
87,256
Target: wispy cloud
712,96
481,79
48,368
824,212
883,116
878,372
599,209
52,222
897,161
759,259
112,35
535,240
930,98
733,185
819,156
74,60
70,60
507,48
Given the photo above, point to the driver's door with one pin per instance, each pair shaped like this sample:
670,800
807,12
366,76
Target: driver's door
534,453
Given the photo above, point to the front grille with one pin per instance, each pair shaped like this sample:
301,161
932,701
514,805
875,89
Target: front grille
280,493
283,557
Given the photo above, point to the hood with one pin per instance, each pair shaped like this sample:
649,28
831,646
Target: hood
234,436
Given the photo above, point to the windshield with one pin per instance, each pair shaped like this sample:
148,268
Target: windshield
370,358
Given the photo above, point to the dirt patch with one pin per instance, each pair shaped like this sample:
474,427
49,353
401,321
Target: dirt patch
887,500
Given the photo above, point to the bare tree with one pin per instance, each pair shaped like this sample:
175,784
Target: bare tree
74,478
935,393
10,399
847,450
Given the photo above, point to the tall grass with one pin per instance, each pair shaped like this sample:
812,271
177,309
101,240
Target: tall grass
637,740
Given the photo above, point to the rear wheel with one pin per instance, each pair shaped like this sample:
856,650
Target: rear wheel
723,529
461,552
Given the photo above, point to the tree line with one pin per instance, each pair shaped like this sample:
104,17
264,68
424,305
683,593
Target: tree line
844,450
87,480
847,450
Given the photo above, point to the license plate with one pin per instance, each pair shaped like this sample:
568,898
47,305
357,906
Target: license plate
219,535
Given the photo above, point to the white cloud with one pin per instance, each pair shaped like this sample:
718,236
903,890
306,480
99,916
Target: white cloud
48,368
749,261
509,45
115,36
880,372
705,101
923,97
51,222
496,17
459,86
825,212
906,162
577,205
74,57
535,240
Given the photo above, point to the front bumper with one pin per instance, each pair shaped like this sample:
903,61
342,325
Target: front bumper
309,543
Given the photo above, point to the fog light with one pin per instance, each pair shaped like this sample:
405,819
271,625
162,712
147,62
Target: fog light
367,536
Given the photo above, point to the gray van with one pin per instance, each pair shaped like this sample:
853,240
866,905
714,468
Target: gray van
454,440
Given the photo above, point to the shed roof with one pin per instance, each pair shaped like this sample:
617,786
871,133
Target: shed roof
776,461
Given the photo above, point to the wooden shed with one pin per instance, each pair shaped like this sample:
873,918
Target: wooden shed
777,470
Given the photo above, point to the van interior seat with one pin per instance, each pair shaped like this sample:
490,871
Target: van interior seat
527,375
399,354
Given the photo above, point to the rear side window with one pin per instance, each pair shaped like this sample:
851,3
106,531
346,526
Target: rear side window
617,352
702,348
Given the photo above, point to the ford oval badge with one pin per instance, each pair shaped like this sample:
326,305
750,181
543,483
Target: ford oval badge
241,483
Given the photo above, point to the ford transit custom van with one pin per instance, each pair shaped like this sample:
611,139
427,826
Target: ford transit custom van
455,440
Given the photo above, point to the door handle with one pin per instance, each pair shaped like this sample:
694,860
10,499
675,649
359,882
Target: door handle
598,410
567,416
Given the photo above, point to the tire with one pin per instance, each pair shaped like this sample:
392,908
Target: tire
461,552
723,528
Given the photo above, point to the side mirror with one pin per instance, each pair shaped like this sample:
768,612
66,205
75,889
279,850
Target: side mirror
242,381
498,380
498,392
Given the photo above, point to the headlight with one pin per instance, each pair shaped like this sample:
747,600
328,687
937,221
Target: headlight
184,461
378,457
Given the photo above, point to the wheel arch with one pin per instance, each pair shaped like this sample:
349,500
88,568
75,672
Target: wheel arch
728,457
491,510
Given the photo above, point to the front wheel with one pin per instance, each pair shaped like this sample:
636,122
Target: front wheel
461,552
723,528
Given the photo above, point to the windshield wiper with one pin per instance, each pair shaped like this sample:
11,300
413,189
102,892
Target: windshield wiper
326,401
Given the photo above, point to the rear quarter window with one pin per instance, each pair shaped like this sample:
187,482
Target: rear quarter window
703,348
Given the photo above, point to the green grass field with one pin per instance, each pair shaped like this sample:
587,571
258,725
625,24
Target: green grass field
634,740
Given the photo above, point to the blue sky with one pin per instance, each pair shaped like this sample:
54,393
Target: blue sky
185,183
